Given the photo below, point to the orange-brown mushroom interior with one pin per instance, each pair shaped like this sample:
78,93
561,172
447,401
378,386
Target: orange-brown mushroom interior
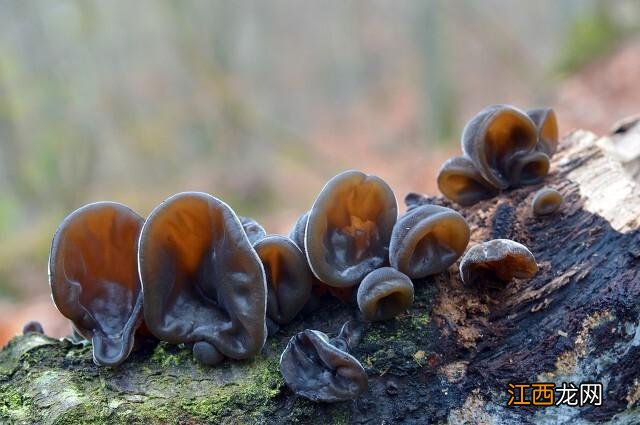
507,134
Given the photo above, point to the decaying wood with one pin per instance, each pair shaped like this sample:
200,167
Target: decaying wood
449,359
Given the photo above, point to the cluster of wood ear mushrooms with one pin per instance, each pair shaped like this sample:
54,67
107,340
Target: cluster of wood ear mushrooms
195,273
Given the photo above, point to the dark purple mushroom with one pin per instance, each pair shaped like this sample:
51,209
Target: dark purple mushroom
32,327
289,278
315,369
349,227
384,293
203,282
94,280
427,240
496,262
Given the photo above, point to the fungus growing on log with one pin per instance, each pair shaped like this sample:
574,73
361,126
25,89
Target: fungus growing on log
203,282
461,182
298,231
253,229
496,262
32,326
546,201
288,276
547,126
427,240
349,228
94,277
315,369
384,293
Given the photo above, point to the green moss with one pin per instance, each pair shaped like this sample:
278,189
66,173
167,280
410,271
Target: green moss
13,405
252,397
170,355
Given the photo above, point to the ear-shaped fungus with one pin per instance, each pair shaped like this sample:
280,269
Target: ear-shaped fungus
427,240
298,231
203,281
253,229
349,228
547,126
546,201
32,326
461,182
94,277
384,293
494,138
288,277
314,368
527,169
497,260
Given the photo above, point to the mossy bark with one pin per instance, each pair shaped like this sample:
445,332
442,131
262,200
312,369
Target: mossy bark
448,359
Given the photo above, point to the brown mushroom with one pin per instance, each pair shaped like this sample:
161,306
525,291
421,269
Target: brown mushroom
547,126
546,201
203,282
288,275
349,227
384,293
427,240
315,369
253,229
94,277
494,137
528,169
496,262
461,182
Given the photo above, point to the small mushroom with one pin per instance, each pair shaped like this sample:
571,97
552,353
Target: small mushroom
94,277
289,278
528,169
203,282
315,369
427,240
461,182
497,261
297,232
32,327
253,229
494,137
546,201
547,126
349,227
384,293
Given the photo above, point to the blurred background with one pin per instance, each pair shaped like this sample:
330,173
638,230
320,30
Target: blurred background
261,102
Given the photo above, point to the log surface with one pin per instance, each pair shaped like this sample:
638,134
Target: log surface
448,359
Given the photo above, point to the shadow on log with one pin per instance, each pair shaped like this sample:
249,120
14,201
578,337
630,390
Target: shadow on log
448,359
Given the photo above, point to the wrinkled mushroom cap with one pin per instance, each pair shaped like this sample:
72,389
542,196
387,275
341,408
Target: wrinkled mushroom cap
313,368
349,228
289,278
94,277
494,137
427,240
547,126
203,281
461,182
498,259
546,201
384,293
253,229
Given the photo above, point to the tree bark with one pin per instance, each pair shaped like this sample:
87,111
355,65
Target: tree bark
448,359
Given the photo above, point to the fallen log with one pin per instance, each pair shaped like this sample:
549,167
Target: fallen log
450,358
